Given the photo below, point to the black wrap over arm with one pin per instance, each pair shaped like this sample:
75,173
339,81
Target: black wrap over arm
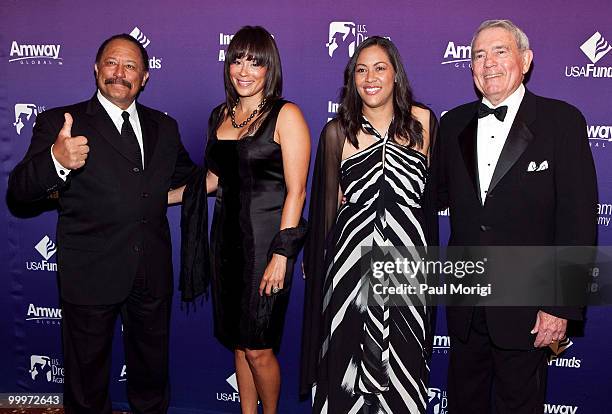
195,259
195,274
321,218
289,241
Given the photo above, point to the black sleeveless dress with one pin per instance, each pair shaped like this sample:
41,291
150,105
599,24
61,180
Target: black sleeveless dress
247,215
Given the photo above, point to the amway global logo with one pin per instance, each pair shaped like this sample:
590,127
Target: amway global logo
595,48
234,396
605,213
25,115
44,315
459,56
46,248
136,33
441,344
599,135
35,54
437,401
46,369
560,409
123,374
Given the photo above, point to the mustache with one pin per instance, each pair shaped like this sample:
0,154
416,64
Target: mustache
120,81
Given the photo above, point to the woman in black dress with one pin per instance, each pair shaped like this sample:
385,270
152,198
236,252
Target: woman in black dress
257,157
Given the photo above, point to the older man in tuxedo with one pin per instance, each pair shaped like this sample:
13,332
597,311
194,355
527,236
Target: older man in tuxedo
112,162
496,198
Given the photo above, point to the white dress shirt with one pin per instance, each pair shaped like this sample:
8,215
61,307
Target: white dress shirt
491,137
115,114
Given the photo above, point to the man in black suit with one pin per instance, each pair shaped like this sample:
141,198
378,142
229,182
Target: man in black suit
112,161
516,170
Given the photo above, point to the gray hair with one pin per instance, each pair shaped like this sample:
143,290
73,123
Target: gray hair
521,38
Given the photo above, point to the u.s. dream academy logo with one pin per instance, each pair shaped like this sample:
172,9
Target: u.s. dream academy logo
344,36
44,369
25,116
437,401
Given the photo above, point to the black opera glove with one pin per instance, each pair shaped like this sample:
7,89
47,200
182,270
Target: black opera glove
288,242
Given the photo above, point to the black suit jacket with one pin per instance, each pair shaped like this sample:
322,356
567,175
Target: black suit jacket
553,207
112,213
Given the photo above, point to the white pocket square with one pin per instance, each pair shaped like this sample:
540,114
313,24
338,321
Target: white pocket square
535,167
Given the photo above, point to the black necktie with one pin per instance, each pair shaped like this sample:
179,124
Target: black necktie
129,138
499,112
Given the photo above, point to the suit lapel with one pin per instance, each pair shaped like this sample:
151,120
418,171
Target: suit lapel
149,134
103,124
467,143
518,139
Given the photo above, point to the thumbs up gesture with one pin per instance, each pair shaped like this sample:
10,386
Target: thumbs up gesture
70,151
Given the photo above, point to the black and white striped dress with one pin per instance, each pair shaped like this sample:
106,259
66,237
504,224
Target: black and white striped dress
373,354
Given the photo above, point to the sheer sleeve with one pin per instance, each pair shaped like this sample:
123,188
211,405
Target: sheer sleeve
430,204
321,218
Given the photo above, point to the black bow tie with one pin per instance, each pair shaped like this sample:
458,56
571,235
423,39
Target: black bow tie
499,112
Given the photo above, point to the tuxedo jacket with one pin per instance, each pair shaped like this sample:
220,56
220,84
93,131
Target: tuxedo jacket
112,212
555,206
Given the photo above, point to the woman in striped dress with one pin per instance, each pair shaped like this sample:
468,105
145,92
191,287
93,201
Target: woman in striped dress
363,352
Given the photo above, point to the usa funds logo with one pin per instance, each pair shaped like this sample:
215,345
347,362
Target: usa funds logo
230,396
556,358
46,249
35,54
594,48
136,33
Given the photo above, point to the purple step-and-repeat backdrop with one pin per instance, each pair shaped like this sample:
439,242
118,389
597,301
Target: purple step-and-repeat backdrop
47,51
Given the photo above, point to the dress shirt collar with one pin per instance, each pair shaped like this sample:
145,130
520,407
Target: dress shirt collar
513,102
114,111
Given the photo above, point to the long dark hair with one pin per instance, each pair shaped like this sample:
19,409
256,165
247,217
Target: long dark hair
404,127
254,43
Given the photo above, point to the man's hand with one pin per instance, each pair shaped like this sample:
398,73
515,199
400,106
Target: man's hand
70,151
549,329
